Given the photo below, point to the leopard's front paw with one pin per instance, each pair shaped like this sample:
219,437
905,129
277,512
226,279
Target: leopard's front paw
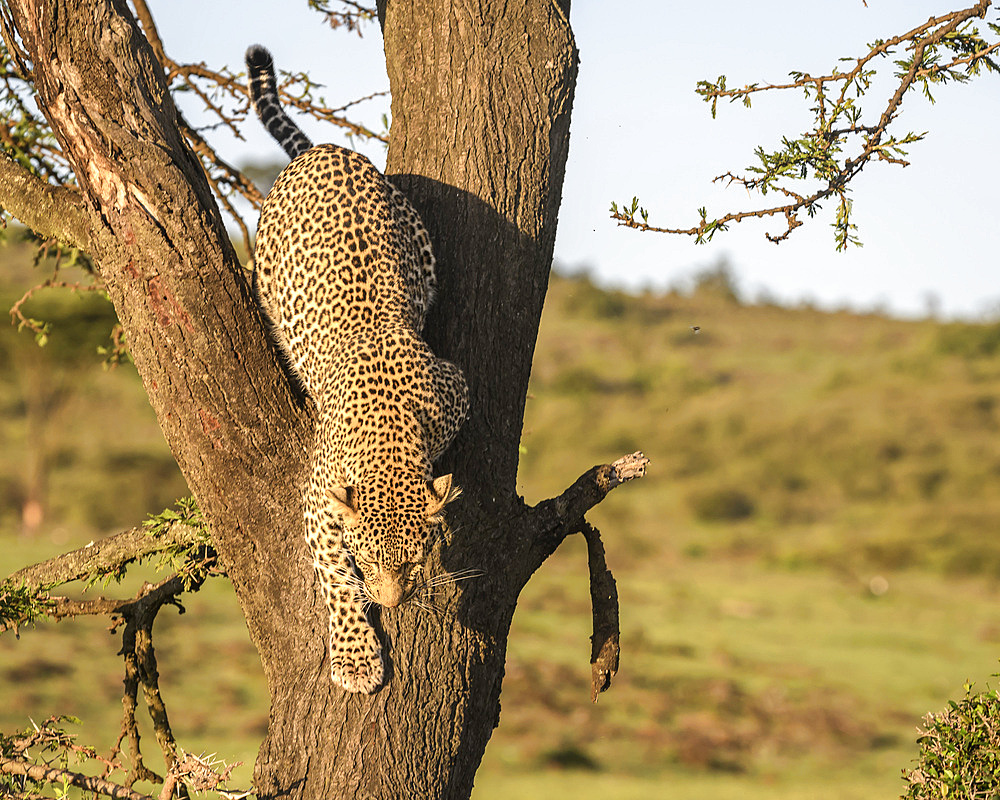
356,665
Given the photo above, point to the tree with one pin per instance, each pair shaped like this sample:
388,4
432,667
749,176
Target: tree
124,178
135,197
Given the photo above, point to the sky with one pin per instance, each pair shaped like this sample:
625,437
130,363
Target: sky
930,230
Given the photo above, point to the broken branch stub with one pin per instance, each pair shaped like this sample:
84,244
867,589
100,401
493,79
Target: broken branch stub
604,643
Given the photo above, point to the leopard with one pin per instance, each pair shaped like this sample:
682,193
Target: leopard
344,274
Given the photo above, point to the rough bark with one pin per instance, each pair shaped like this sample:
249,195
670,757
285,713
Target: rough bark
481,106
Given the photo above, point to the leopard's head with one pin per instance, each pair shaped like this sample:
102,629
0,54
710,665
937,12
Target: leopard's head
389,533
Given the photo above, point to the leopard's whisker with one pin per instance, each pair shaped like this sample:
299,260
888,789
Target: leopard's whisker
454,577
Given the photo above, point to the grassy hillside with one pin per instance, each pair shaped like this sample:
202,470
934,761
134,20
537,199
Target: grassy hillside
809,566
849,441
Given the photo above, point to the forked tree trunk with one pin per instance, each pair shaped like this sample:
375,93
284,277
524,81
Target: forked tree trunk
481,107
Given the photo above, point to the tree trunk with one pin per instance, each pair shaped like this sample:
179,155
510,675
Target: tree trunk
481,106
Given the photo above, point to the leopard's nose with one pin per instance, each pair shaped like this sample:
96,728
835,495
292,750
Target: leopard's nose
389,594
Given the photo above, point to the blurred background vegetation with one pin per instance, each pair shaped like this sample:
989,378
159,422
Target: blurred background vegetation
810,565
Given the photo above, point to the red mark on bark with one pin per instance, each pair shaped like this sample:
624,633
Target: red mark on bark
165,306
209,424
128,235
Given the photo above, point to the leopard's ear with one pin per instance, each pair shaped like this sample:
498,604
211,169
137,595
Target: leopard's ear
344,500
442,493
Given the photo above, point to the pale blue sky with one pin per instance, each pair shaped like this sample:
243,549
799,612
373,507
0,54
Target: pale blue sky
639,129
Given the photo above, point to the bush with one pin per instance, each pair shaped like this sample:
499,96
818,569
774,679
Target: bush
721,505
959,751
969,341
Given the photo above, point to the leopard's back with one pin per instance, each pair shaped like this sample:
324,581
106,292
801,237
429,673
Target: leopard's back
341,253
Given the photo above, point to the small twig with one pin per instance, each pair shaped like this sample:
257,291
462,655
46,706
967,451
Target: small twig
38,772
51,283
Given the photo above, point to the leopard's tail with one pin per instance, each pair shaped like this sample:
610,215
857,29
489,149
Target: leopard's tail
264,98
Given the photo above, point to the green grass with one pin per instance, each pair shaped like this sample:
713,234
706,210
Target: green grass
735,675
809,566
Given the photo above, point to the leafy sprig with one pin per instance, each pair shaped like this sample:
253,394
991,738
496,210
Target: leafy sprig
824,160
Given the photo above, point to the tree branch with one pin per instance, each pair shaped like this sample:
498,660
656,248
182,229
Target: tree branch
52,211
39,772
563,515
556,519
141,669
819,153
106,556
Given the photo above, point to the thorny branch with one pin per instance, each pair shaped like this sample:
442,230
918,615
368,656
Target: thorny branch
52,745
26,138
819,154
106,557
225,179
138,615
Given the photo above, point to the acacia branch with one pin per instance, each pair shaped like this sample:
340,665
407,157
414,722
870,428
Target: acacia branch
817,153
106,556
53,211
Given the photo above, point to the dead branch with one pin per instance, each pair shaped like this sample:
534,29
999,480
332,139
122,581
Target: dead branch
563,515
604,648
39,772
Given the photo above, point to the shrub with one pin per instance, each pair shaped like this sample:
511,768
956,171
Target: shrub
959,751
721,505
968,340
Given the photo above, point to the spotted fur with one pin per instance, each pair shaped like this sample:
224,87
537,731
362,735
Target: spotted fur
345,274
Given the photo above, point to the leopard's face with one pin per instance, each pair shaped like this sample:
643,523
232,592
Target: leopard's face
389,541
